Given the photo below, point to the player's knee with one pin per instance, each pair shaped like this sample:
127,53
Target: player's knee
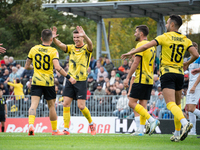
81,107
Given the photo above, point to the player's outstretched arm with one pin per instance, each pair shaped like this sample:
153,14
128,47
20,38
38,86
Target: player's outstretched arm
2,50
139,49
62,71
56,41
87,39
28,65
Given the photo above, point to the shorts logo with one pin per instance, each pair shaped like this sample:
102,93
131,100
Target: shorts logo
80,96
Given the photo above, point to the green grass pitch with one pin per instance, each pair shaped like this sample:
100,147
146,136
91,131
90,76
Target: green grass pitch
43,141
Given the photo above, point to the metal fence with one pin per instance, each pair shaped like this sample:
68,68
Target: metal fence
105,108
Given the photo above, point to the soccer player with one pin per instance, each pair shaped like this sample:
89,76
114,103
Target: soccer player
44,57
79,60
143,82
3,110
2,50
193,93
174,45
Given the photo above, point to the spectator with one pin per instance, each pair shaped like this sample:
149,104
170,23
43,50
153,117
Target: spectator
3,60
130,63
101,60
58,92
66,62
97,68
11,61
99,95
91,84
102,73
19,94
186,81
3,67
156,82
13,76
102,82
56,82
121,86
122,105
4,89
92,63
117,78
7,64
20,69
112,78
25,76
59,77
5,76
126,71
90,73
161,107
28,88
109,66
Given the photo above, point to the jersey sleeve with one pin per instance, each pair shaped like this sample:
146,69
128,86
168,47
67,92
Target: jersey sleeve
189,44
69,48
86,47
55,54
159,39
139,45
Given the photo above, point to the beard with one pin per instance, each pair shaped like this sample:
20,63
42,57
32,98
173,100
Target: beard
137,38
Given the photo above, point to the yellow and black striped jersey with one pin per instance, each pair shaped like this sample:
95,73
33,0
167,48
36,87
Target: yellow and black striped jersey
79,60
144,71
42,58
174,45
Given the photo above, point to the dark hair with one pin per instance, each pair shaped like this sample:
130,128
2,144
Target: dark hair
144,29
46,35
75,31
17,81
177,20
194,44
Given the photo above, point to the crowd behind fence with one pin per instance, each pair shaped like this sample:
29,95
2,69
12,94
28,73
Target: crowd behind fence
106,108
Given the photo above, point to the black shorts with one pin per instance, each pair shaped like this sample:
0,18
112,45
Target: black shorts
48,91
172,81
75,91
141,91
2,117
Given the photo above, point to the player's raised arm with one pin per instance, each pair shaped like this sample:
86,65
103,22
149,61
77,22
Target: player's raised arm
87,39
58,42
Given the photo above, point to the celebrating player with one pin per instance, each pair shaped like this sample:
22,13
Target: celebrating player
143,82
174,45
44,57
79,60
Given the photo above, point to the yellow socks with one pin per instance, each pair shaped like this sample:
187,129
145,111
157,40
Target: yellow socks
142,120
176,111
54,125
142,111
87,115
66,116
31,119
177,123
